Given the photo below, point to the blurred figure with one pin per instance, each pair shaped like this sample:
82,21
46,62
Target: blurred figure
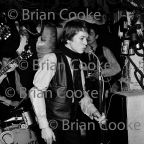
47,39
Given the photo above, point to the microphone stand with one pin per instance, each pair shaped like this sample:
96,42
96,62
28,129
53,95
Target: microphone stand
100,95
101,84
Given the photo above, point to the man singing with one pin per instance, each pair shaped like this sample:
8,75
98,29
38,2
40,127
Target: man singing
59,87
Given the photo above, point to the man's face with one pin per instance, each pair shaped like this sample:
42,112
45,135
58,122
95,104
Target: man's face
78,42
92,37
46,41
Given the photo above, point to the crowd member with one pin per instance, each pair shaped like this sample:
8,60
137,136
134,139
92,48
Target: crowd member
55,78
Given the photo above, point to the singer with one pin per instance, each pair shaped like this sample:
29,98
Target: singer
59,80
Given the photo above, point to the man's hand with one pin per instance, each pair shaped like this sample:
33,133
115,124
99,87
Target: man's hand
93,75
48,135
12,67
14,103
2,78
100,118
6,102
23,43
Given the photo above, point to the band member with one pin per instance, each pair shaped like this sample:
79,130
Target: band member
59,75
107,64
11,92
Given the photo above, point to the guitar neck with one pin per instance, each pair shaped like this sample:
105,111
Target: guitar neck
7,67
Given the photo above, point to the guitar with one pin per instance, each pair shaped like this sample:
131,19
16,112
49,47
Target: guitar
24,55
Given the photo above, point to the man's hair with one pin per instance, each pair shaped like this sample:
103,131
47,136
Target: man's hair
94,27
72,27
52,28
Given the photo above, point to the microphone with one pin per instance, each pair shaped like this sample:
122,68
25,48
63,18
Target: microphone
90,51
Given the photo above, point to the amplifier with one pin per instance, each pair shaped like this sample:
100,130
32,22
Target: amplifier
125,113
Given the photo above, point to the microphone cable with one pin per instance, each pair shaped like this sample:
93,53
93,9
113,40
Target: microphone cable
100,78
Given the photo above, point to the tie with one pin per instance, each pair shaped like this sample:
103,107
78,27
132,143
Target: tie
77,81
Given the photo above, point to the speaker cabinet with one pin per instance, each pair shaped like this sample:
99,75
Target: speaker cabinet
125,113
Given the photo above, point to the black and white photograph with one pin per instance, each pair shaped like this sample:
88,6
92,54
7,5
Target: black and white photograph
71,72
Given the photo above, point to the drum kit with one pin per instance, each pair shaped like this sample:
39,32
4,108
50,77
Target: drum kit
17,128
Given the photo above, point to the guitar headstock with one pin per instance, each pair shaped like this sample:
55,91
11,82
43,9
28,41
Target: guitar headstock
4,32
26,54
